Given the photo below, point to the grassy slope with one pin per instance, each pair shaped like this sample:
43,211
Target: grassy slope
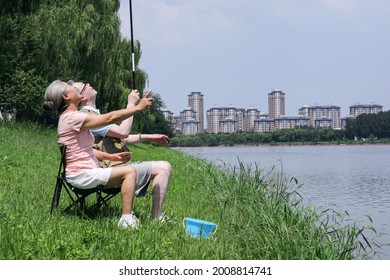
255,216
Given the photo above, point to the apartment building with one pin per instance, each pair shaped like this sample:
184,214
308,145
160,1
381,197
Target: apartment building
268,125
357,109
276,104
225,119
177,124
250,115
323,122
228,125
317,115
187,121
169,116
195,102
264,125
290,122
190,127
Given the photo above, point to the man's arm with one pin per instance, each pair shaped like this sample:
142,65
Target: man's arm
160,139
123,130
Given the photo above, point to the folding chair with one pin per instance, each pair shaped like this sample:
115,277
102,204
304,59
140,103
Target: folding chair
78,195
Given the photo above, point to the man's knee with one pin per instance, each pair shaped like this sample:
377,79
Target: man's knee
130,172
161,168
167,167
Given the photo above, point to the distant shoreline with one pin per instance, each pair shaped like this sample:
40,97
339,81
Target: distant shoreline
285,144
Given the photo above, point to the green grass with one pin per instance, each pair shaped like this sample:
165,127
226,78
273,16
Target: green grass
259,215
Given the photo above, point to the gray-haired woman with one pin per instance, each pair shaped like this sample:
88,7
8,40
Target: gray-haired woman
82,168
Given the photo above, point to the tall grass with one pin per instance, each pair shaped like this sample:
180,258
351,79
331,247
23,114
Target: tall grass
259,215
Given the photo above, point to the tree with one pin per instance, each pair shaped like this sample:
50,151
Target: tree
365,125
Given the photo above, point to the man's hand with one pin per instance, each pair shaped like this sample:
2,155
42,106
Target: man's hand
160,139
133,97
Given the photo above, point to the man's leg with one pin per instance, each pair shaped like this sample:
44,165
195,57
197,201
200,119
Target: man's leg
161,175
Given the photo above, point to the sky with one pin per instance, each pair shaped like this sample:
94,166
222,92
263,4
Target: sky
235,52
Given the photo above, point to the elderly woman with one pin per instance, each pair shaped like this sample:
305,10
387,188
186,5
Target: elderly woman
82,167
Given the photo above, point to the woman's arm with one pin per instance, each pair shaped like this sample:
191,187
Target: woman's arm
123,156
93,121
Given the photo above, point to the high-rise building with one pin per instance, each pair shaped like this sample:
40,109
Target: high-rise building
357,109
225,119
263,125
195,102
168,115
320,115
190,127
228,125
177,126
276,104
250,115
187,123
269,125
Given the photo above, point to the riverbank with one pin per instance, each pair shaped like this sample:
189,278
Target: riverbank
286,145
300,136
258,216
331,143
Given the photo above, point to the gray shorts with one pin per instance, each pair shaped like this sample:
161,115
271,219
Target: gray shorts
144,173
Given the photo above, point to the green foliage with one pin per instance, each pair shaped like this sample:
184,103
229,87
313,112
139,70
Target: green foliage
308,135
25,93
259,214
365,125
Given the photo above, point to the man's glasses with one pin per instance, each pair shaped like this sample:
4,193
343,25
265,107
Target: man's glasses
84,88
71,83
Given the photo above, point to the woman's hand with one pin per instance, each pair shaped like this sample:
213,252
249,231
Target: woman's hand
146,101
123,156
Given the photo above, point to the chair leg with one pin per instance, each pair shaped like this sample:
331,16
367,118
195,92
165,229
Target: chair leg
82,203
57,194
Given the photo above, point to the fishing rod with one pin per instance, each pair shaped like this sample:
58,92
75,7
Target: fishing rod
132,44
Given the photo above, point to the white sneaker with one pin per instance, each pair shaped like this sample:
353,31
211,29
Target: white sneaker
162,219
131,223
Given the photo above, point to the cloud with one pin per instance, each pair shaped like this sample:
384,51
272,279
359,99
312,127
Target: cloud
343,6
356,7
181,22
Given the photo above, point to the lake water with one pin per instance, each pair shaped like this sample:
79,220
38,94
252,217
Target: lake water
355,179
